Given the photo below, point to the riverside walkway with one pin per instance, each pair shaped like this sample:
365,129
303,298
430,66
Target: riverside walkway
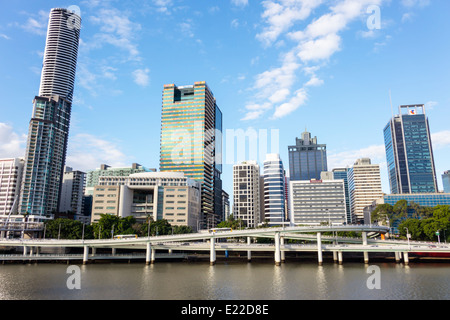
209,242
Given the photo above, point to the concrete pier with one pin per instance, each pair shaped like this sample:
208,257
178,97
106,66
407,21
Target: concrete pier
277,249
212,254
319,248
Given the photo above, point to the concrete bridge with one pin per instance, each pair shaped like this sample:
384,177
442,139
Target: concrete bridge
210,242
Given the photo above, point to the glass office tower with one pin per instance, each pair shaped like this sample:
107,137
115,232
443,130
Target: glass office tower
307,159
409,152
274,190
49,126
191,142
342,174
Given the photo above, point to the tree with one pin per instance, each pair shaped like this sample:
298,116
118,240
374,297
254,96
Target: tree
232,223
67,229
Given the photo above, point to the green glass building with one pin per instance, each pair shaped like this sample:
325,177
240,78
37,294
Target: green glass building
191,142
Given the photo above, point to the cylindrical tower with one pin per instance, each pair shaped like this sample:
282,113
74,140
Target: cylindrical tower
61,52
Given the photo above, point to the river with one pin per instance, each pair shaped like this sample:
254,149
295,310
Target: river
226,281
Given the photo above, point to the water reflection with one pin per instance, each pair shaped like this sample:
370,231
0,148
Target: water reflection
233,281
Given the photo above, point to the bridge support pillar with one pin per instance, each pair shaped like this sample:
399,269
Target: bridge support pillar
212,254
319,248
86,255
277,249
148,253
366,254
406,258
283,255
249,252
25,251
113,251
340,258
153,256
397,257
335,256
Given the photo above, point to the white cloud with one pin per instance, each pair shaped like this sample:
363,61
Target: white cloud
163,6
313,45
117,30
240,3
441,139
415,3
141,77
87,152
293,104
343,159
37,24
4,36
12,144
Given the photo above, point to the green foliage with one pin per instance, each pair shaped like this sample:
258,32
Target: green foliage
425,229
232,223
67,229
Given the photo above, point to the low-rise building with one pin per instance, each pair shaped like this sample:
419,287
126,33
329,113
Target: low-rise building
161,195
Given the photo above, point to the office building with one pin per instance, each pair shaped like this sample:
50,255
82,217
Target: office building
364,185
191,142
93,176
316,202
225,205
72,191
341,174
446,181
10,180
49,126
409,152
274,191
307,159
246,193
161,195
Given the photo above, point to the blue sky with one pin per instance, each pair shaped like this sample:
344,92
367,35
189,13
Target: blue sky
277,65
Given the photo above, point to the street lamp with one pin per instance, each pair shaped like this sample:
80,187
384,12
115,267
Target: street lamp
408,236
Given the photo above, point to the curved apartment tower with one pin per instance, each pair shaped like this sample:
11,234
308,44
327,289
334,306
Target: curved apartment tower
61,52
274,190
49,126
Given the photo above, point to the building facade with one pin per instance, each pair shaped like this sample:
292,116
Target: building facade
317,202
364,184
10,180
246,193
274,191
49,126
342,174
93,176
409,152
191,142
161,195
446,181
307,159
72,191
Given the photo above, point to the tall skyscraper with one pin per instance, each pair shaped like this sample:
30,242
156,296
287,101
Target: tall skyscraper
49,126
191,142
246,193
364,184
274,190
409,152
307,159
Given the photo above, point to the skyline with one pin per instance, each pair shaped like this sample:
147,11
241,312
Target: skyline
248,57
